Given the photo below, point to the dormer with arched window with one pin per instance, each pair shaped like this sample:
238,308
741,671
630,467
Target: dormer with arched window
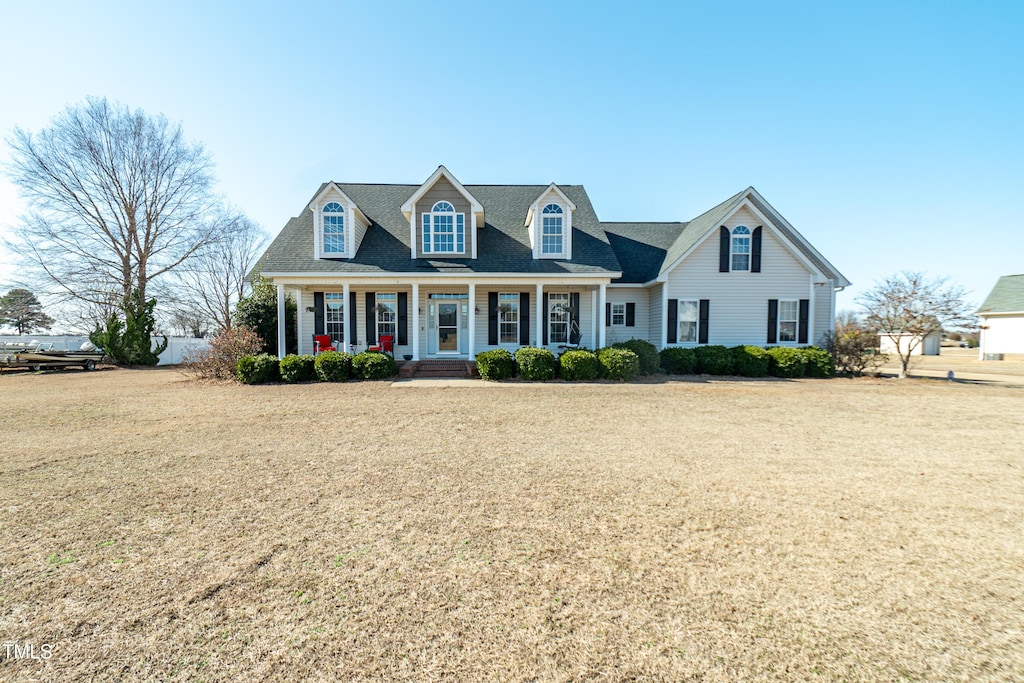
338,224
549,221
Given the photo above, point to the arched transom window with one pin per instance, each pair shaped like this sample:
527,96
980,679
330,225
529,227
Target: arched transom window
444,230
741,248
552,239
334,228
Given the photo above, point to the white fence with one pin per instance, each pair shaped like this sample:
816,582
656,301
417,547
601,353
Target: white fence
177,347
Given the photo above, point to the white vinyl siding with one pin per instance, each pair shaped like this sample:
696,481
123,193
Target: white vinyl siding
655,325
359,226
640,297
738,302
823,320
1005,333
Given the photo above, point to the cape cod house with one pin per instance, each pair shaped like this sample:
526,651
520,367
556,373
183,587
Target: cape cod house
450,270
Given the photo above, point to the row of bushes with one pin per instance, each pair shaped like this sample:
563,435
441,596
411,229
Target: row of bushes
626,360
330,366
537,364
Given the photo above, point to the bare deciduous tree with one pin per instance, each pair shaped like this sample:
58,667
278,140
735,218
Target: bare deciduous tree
907,307
116,198
211,283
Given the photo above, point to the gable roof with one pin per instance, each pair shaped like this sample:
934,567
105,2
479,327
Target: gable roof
1006,297
441,171
503,241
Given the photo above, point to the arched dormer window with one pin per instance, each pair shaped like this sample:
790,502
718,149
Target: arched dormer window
333,226
552,234
740,248
444,230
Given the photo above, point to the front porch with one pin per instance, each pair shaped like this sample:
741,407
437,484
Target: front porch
449,320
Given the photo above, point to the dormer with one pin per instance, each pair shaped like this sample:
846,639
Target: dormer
338,224
549,221
443,218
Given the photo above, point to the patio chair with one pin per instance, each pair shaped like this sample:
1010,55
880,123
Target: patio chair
321,343
386,344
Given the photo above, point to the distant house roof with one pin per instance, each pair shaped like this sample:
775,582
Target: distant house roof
1006,297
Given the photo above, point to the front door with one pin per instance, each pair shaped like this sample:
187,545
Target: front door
448,327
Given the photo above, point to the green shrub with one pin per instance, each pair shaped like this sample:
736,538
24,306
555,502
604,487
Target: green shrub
373,365
750,361
295,368
257,369
333,366
579,365
650,363
820,362
714,360
786,362
677,360
496,365
536,364
619,364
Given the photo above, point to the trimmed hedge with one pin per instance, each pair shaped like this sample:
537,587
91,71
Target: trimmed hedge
295,368
618,364
714,360
750,361
646,352
333,366
536,364
676,360
496,365
787,362
257,369
373,365
820,362
577,364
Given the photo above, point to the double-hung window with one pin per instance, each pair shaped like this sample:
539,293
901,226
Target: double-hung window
444,230
387,316
558,318
552,236
688,311
618,314
508,318
334,316
741,248
333,222
788,316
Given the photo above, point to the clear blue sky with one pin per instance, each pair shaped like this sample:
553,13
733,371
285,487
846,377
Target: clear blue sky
890,134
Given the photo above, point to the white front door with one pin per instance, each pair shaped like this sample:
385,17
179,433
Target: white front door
448,324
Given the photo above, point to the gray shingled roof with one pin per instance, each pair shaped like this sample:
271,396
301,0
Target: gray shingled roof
641,247
503,247
1006,297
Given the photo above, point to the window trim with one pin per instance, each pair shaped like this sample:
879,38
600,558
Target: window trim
560,215
695,321
328,322
745,236
506,297
382,325
563,300
342,214
614,314
795,321
429,229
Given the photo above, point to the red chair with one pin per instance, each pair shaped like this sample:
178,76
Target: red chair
386,345
321,343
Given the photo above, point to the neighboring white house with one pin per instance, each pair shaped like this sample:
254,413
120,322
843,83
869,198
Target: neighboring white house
1002,317
898,343
450,270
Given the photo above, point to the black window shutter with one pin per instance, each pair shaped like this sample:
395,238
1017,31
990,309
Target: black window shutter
723,250
524,318
702,321
574,318
371,318
351,318
403,318
773,320
318,312
630,314
673,320
755,251
547,314
492,318
608,314
805,310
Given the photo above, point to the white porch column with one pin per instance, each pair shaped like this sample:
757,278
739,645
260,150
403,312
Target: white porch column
347,332
415,321
602,297
593,319
280,321
540,314
298,318
472,320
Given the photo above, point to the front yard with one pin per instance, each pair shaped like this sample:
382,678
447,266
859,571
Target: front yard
157,528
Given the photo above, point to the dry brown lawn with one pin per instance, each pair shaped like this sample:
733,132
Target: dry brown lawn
155,528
